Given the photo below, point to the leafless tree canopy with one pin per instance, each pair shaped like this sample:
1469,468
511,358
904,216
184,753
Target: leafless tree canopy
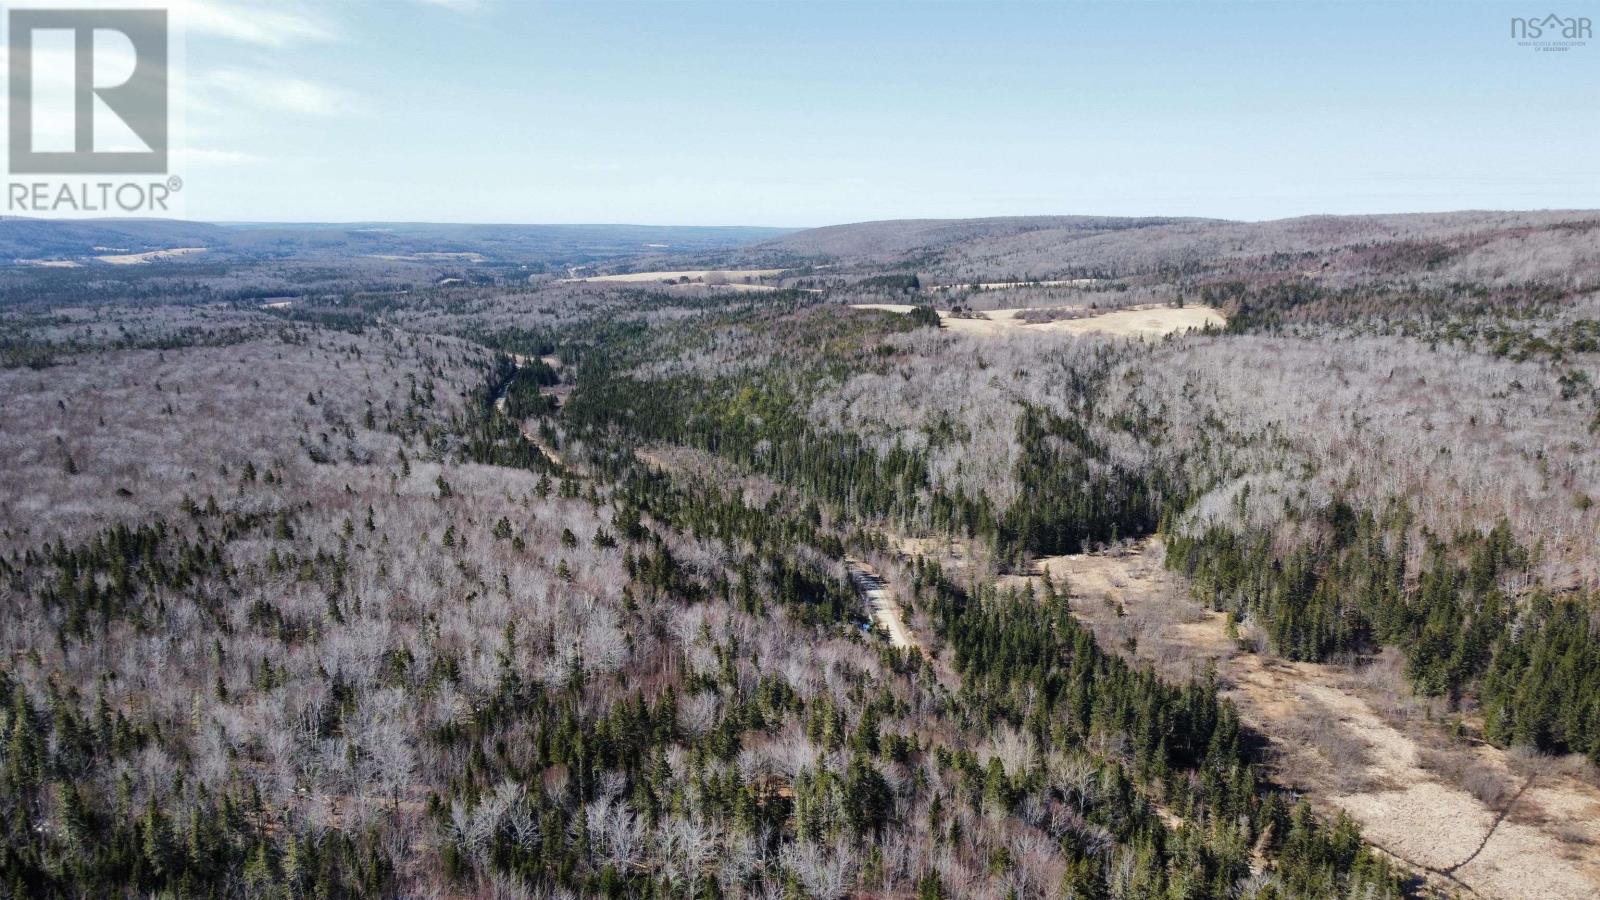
439,571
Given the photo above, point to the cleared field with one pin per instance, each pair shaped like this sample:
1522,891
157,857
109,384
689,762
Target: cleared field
700,275
1151,322
1003,285
1464,816
734,287
432,255
134,259
887,307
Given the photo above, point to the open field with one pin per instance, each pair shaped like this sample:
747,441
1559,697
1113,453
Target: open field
432,256
695,275
731,287
740,288
149,256
1003,285
1451,810
1152,322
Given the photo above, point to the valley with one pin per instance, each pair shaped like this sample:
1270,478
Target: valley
1152,566
1130,451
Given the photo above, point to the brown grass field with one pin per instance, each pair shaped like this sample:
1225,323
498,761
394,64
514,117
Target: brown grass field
1464,815
1152,322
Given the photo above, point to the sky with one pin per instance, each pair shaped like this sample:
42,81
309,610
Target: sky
814,113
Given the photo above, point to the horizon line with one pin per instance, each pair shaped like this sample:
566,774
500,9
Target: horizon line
580,224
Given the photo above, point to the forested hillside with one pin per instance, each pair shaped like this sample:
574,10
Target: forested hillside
1397,251
89,241
513,587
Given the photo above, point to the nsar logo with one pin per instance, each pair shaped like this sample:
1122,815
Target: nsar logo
1552,33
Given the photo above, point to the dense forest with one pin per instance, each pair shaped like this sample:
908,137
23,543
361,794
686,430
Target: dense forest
529,587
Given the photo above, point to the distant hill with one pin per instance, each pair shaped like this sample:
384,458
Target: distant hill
30,239
884,241
46,239
1492,246
1482,247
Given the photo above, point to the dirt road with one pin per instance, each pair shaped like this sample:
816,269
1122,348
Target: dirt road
880,597
557,391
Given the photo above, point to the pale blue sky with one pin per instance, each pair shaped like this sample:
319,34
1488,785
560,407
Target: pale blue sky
815,113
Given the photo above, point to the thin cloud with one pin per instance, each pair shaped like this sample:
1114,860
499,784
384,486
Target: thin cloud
224,90
460,6
200,156
275,24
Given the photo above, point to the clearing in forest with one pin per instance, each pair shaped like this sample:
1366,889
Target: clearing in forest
700,276
1495,822
466,256
1007,285
1144,322
135,259
880,597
